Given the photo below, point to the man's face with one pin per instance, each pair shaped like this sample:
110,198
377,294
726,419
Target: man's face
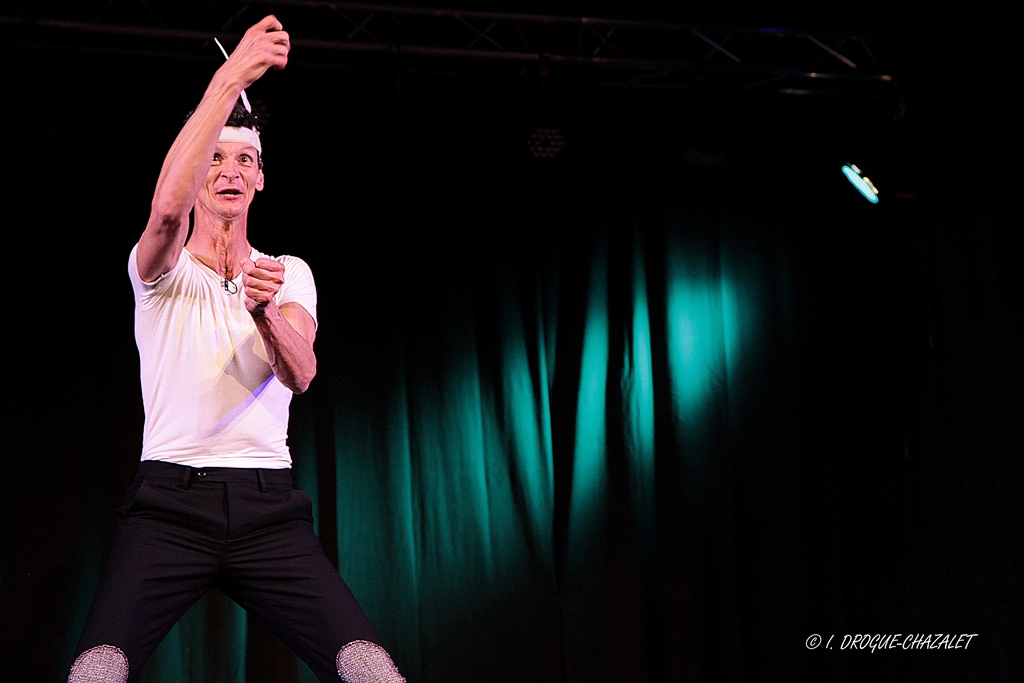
232,181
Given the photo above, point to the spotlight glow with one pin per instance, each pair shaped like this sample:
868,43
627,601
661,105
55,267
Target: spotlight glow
863,184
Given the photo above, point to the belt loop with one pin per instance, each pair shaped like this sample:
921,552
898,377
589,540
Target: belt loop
186,477
261,480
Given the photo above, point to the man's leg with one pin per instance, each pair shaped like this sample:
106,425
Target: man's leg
157,569
282,576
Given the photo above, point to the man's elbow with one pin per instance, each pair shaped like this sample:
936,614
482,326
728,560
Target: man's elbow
300,383
165,219
169,207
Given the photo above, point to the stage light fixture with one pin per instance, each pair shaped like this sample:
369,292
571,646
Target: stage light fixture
861,182
546,143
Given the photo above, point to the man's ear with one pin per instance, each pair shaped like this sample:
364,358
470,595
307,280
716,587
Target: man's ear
259,181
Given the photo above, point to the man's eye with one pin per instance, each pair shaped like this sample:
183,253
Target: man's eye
217,158
245,159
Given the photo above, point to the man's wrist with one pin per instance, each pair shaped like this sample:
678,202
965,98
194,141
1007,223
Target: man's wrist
226,84
260,311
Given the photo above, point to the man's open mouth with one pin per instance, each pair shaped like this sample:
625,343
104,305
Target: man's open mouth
230,192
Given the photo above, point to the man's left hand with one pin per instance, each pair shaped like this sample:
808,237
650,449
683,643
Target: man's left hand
261,279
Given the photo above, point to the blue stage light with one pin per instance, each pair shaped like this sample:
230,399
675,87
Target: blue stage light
861,182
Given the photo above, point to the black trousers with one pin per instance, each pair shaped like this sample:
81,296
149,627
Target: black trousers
249,534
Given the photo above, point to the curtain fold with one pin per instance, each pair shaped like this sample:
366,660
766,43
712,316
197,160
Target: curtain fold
580,519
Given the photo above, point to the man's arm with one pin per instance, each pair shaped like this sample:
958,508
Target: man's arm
263,46
288,330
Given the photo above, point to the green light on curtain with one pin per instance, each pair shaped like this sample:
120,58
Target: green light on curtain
638,395
377,493
704,328
589,462
547,335
733,311
207,644
705,318
527,422
694,358
399,449
639,377
463,431
166,660
471,532
375,511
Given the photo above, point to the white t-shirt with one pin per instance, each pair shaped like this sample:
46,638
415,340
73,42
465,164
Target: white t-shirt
210,396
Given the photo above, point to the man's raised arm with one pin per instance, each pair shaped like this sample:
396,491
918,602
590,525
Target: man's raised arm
263,46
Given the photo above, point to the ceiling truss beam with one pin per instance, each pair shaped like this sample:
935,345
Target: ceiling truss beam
617,52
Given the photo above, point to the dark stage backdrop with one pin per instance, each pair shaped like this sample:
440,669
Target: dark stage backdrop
658,409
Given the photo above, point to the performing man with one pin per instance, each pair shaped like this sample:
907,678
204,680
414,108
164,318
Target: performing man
225,337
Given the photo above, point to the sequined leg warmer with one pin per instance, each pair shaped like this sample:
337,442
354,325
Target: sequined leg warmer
364,662
101,664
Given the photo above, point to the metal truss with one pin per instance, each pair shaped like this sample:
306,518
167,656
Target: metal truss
617,52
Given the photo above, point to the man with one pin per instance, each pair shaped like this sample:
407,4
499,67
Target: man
225,336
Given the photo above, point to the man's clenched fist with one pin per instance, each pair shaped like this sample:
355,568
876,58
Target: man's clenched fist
261,280
265,45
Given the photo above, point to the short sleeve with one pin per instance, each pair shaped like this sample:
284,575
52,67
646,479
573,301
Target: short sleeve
298,286
145,290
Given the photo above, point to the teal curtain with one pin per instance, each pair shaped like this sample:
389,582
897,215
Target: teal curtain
525,458
497,459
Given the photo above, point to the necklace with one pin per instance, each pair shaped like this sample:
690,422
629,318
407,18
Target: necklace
229,286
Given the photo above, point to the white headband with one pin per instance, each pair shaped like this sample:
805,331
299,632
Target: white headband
246,135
